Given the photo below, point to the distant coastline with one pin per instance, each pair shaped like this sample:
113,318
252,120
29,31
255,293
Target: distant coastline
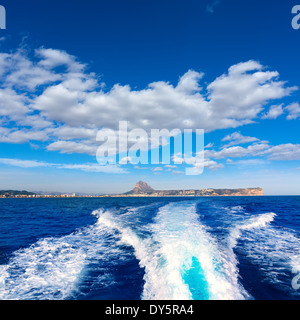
141,189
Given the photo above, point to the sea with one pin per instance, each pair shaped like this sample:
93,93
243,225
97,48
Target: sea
150,248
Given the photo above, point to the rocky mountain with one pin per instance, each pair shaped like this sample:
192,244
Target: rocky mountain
141,187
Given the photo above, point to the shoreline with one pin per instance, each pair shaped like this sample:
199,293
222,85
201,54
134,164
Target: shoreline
142,196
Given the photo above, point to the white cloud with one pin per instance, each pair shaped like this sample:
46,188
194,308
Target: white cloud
19,71
113,169
189,82
68,107
170,166
209,145
274,112
89,167
242,93
125,160
213,165
69,133
13,104
8,135
248,162
237,151
51,58
206,163
24,163
236,138
158,169
72,147
294,111
287,151
243,67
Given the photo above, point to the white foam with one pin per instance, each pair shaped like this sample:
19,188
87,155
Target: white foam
177,237
273,250
259,221
182,237
53,267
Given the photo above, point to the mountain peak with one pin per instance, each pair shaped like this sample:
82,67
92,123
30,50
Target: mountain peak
142,187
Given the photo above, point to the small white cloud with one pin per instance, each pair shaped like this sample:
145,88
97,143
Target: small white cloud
248,162
238,151
24,163
89,167
209,145
236,138
21,136
170,166
73,147
274,112
125,160
213,165
287,151
51,58
294,111
114,169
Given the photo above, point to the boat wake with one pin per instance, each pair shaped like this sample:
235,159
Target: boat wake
180,257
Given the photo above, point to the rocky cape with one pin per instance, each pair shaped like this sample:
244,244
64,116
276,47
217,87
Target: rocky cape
142,189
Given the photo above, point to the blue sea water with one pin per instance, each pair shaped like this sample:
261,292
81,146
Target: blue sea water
150,248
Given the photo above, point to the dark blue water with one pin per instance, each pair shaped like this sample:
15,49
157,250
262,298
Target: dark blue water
150,248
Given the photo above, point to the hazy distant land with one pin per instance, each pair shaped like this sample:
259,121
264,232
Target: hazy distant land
141,189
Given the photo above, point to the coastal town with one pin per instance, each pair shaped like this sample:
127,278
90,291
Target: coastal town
26,194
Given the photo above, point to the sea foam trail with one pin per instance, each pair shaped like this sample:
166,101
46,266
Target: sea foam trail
274,251
259,221
251,224
181,259
190,250
52,268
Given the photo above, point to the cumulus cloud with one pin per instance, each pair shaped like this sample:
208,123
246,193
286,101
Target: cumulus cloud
113,169
238,151
237,138
294,111
18,71
24,163
287,151
274,112
51,58
52,93
73,147
280,152
9,135
89,167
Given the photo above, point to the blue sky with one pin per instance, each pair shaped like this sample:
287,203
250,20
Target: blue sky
70,68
